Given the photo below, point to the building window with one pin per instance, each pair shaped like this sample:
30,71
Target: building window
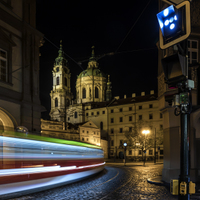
84,93
140,117
130,108
103,112
92,113
161,152
3,66
140,152
86,114
75,115
111,120
83,131
140,107
121,119
192,51
121,109
56,102
82,139
121,142
161,116
101,125
121,130
112,130
161,127
97,112
150,152
130,129
57,81
130,118
150,116
111,110
96,92
65,81
112,142
150,105
130,152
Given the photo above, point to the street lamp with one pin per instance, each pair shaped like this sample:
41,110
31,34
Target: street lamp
125,145
145,132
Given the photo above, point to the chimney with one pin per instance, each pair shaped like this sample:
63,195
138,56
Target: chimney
133,95
152,92
142,93
125,96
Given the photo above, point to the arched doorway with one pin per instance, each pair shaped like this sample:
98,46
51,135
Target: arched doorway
7,121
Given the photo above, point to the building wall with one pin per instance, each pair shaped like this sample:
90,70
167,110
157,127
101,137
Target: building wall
20,41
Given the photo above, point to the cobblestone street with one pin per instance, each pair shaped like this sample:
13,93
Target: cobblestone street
114,182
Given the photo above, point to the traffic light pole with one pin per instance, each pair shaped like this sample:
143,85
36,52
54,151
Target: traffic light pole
184,177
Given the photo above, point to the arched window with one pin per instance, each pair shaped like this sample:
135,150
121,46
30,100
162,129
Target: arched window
84,93
96,92
65,81
57,81
56,102
75,115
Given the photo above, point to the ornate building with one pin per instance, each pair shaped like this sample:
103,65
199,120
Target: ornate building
19,69
61,95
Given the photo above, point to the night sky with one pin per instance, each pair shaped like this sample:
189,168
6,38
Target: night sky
128,30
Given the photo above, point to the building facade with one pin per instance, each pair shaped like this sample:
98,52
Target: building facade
19,68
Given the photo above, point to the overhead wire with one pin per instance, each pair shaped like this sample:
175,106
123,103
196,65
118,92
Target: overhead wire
132,27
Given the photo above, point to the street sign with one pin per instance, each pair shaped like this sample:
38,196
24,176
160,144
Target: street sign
174,24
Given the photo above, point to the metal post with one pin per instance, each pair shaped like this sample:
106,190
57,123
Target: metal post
184,161
155,148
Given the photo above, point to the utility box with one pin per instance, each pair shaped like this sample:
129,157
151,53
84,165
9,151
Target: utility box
183,188
174,186
191,187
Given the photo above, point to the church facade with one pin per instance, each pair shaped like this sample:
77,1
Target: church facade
114,117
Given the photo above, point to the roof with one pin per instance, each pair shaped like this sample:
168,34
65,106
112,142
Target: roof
129,100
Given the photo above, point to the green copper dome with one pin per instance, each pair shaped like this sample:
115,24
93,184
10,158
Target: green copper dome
92,69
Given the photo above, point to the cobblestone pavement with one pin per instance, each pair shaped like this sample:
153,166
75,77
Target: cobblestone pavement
114,182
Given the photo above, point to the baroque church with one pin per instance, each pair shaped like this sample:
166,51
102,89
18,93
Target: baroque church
94,106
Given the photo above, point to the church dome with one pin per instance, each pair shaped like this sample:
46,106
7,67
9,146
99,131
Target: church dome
92,69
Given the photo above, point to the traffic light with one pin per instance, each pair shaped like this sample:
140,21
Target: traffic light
175,69
174,22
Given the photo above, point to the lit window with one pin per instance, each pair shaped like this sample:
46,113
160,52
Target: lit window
3,66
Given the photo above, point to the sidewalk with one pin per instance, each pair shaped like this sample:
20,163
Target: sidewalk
156,180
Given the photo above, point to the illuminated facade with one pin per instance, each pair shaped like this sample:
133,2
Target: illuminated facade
19,68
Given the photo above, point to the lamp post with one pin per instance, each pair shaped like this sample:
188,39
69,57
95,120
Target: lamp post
145,132
125,145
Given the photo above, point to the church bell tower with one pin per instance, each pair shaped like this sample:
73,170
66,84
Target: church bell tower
61,95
